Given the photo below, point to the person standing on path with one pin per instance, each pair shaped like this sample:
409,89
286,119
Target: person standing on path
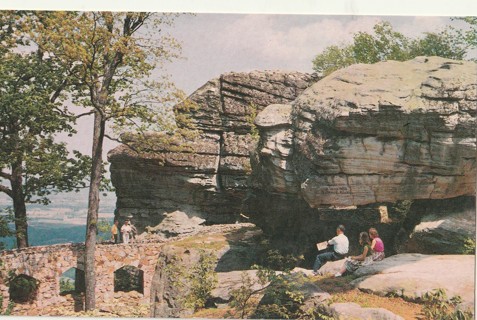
115,232
125,231
337,249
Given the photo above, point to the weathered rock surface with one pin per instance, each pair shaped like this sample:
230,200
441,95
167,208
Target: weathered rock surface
209,179
344,150
412,275
362,139
389,131
235,247
443,229
352,311
378,133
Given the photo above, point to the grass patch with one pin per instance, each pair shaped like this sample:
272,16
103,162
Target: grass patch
210,241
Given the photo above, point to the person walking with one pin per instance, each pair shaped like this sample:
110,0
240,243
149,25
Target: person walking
337,249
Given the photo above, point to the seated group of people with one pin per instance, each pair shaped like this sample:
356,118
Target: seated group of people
372,249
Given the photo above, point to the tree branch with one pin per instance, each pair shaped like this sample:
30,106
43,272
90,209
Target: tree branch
5,175
6,190
84,114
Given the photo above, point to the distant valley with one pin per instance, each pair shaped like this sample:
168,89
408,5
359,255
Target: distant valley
62,221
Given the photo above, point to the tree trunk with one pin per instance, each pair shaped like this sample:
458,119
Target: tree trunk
19,207
93,205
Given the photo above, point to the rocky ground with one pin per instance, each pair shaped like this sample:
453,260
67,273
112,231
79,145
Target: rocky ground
389,289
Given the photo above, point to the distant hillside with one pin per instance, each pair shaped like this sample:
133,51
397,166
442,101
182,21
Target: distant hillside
62,221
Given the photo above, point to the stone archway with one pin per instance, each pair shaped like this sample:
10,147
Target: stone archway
23,289
129,278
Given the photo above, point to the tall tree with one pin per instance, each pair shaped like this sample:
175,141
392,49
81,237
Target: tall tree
110,58
388,44
32,164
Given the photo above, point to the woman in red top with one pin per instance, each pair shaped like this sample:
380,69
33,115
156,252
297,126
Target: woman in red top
377,245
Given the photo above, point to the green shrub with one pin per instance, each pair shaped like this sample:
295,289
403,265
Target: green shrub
282,298
193,286
437,306
66,286
202,279
468,246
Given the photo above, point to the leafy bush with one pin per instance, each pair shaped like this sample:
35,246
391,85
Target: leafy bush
193,286
282,297
66,286
468,246
437,306
276,260
202,280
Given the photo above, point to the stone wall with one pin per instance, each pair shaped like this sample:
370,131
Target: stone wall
48,263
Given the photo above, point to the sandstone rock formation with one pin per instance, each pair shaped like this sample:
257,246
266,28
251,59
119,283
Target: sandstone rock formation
351,311
444,228
412,275
210,180
348,149
360,140
376,133
235,247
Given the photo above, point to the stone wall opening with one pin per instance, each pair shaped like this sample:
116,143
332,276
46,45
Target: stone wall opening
23,289
129,278
72,281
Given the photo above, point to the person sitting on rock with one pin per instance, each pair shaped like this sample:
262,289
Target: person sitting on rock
377,245
337,249
354,262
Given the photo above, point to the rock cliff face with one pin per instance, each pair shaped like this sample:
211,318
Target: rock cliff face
348,149
364,138
209,181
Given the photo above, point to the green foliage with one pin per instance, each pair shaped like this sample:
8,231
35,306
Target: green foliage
104,229
32,164
387,44
468,246
282,296
401,209
193,286
250,118
437,306
202,280
276,260
66,286
6,217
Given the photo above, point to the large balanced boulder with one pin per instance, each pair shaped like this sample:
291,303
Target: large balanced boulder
361,140
377,133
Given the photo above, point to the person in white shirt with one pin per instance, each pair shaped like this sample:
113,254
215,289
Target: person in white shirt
337,249
126,230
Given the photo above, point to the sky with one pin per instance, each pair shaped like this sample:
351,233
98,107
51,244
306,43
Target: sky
213,44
